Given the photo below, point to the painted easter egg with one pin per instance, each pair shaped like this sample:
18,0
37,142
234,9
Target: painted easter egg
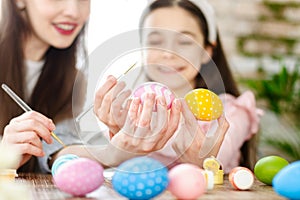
287,181
186,181
140,178
79,177
62,160
267,167
204,104
157,88
241,178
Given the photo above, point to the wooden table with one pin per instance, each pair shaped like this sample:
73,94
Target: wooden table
43,189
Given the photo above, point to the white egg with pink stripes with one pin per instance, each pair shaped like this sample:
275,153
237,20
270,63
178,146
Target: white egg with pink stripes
157,88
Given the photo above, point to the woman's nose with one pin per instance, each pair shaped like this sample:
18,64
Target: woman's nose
72,8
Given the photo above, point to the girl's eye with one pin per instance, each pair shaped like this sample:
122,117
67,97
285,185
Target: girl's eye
185,42
154,42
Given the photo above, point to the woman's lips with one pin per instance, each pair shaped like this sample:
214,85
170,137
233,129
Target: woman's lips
65,28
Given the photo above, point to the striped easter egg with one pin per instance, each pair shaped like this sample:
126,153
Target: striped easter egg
157,88
204,104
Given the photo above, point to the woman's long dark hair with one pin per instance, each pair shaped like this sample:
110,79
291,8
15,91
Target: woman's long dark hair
218,59
52,95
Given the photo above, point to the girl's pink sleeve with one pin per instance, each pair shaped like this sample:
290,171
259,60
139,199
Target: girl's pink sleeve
243,117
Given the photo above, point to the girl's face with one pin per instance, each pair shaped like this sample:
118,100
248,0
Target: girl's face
173,57
56,22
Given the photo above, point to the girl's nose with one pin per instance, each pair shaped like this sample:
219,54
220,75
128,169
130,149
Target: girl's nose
169,50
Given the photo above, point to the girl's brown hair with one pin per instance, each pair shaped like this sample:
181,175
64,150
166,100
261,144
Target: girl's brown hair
52,95
218,80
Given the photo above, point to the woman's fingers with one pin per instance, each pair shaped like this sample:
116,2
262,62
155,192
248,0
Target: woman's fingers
33,115
28,148
32,121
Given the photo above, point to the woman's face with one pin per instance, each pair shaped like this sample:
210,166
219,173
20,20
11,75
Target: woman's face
56,22
173,57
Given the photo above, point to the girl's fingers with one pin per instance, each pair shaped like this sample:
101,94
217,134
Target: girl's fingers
117,109
187,114
103,90
103,110
174,116
146,113
160,120
132,117
109,98
211,145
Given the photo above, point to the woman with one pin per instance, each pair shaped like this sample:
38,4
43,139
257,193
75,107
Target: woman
40,41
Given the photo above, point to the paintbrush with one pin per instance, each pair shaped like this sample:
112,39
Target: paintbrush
92,105
25,107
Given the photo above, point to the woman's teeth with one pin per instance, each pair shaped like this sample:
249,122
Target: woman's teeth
65,27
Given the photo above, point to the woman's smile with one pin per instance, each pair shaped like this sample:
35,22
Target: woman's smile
65,28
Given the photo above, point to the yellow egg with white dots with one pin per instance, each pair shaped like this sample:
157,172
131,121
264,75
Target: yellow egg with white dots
204,104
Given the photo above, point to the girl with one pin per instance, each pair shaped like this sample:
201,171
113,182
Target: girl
180,37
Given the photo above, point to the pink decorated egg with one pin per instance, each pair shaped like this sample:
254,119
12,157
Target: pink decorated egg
157,88
79,176
186,181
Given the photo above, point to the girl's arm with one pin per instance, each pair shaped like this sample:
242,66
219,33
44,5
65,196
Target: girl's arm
243,117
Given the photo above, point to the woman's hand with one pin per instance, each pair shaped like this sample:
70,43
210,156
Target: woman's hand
108,105
145,131
191,144
24,133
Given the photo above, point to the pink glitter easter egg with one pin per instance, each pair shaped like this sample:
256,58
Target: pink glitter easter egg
157,88
79,177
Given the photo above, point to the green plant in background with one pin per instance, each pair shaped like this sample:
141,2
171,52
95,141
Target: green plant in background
280,93
280,90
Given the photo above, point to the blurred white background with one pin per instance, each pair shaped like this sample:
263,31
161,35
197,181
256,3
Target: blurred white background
110,18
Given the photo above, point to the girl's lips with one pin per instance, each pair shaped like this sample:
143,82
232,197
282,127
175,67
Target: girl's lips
65,28
170,70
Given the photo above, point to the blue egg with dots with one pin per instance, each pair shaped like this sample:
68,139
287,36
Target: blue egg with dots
140,178
62,160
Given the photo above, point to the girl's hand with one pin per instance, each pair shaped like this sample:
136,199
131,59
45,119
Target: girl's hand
191,144
145,131
108,105
24,133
